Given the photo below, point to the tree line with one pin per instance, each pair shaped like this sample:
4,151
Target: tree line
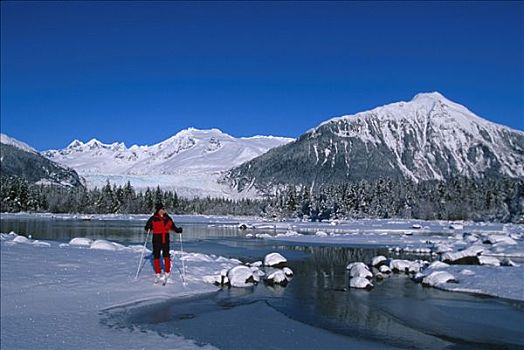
489,199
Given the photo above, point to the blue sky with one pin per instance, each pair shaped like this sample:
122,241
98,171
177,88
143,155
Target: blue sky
139,72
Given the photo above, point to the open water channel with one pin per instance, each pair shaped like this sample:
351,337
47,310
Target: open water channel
397,313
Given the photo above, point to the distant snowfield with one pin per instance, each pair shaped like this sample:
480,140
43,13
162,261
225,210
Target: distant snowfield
190,162
53,295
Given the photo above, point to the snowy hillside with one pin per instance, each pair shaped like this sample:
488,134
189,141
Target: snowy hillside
189,162
6,140
429,137
20,160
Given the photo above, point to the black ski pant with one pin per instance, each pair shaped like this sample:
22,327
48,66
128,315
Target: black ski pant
159,246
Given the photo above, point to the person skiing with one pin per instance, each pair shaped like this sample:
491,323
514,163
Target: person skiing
160,224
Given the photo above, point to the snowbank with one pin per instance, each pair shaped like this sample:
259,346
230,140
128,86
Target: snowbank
53,292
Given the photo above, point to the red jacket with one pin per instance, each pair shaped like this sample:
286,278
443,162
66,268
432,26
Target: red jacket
160,225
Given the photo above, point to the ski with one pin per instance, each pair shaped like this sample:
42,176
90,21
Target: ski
164,280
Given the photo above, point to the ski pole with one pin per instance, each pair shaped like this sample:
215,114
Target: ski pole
183,265
142,255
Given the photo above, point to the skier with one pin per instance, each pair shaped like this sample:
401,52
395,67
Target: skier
161,223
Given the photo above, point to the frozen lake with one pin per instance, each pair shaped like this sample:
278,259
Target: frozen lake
396,313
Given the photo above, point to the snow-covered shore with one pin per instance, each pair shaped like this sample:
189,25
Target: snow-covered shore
56,292
52,294
488,245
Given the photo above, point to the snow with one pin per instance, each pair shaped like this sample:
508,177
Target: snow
277,277
37,276
473,251
435,265
190,162
399,265
489,260
433,127
356,263
81,241
360,271
18,144
273,259
376,261
52,293
437,239
360,283
288,271
106,245
437,278
384,269
239,276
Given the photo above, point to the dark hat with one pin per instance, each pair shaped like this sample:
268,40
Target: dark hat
159,206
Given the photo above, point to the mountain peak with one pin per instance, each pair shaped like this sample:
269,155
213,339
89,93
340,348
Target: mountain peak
434,96
93,143
75,144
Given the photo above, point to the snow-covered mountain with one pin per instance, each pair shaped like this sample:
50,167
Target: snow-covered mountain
190,162
429,137
19,159
7,140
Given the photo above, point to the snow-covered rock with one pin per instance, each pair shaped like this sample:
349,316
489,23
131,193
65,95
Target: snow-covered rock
415,267
38,243
81,241
288,271
241,276
438,265
438,277
244,226
357,263
488,260
508,262
378,261
384,269
257,273
360,283
467,256
277,277
274,260
256,263
218,280
22,239
399,265
499,239
289,233
321,234
360,271
102,244
456,226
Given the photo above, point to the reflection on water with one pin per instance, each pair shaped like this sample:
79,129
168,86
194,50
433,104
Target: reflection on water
397,312
122,231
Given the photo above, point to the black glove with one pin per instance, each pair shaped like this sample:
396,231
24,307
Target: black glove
178,229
